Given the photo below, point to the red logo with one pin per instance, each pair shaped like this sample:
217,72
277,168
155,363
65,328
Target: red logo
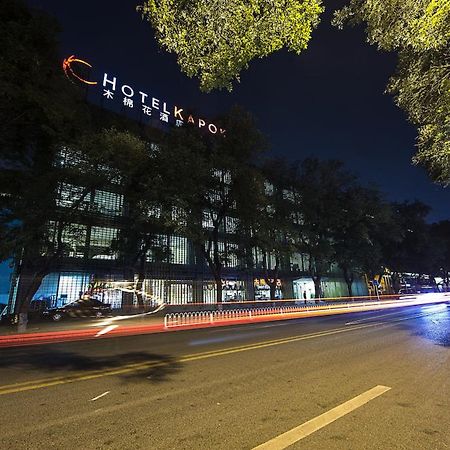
67,66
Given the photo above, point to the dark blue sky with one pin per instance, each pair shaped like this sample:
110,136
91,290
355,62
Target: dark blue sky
328,102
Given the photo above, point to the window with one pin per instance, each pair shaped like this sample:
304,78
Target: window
223,175
299,261
179,216
102,236
232,258
68,194
73,238
68,158
178,250
231,224
108,203
179,292
208,217
227,253
154,211
158,250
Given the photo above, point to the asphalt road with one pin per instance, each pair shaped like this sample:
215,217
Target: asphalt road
238,387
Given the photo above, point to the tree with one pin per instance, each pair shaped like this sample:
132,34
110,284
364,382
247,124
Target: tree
419,31
413,251
215,40
128,158
440,236
322,185
35,225
273,224
209,177
358,237
38,106
39,111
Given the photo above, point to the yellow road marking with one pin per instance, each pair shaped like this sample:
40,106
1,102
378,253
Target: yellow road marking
296,434
47,382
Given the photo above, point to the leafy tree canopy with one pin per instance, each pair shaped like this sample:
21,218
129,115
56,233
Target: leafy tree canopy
38,106
214,40
420,32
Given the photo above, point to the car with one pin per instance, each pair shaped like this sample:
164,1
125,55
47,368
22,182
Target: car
89,307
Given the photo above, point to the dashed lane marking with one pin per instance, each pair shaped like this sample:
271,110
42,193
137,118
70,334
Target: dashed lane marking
296,434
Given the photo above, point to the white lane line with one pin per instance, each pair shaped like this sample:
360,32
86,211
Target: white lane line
365,319
290,437
106,330
401,319
99,396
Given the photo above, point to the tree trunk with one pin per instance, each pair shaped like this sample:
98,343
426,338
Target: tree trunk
273,289
396,282
218,280
140,284
317,287
349,280
215,264
349,287
272,280
139,293
30,281
128,297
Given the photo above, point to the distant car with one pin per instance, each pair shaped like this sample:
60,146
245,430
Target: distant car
79,308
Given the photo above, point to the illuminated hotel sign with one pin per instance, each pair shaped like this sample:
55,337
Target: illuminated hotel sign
135,99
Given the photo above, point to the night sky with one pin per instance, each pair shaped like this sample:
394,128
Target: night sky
327,102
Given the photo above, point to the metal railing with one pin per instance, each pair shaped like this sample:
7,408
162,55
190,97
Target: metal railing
209,317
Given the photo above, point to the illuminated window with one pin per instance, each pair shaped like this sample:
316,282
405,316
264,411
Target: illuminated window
223,175
158,250
232,258
263,260
103,237
299,261
68,158
227,254
178,250
68,195
108,203
179,292
179,216
73,238
208,217
231,224
154,211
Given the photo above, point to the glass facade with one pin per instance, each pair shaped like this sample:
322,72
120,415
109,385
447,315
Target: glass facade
174,273
108,203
